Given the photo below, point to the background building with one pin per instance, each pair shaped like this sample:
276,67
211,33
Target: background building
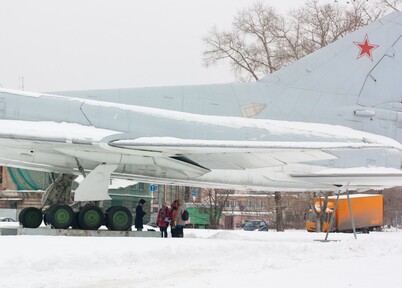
208,208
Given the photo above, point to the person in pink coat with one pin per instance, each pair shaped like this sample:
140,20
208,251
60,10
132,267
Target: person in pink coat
163,219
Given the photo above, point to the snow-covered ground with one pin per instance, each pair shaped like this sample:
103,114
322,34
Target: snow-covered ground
204,258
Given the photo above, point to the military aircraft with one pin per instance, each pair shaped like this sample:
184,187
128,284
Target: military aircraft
204,135
353,82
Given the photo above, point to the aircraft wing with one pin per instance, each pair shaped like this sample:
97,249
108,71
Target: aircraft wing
324,164
236,155
27,140
52,146
48,146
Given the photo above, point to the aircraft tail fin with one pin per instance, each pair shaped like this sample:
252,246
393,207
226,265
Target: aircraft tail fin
366,63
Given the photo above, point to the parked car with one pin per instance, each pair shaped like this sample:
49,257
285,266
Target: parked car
255,225
6,219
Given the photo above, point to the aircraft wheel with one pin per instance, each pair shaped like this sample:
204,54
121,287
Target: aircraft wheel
90,217
30,217
119,218
60,216
44,219
105,218
76,224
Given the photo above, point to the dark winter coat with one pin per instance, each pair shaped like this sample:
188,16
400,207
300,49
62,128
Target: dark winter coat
139,216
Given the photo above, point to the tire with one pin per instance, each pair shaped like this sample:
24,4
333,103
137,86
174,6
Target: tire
119,218
90,217
30,217
60,216
44,219
105,219
76,224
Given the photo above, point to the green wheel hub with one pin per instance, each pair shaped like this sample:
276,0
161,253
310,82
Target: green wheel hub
30,217
120,218
90,217
62,216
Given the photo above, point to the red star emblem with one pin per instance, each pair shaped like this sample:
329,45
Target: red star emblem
365,48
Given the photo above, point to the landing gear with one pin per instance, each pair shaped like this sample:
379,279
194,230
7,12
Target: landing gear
59,216
30,217
90,217
57,204
119,218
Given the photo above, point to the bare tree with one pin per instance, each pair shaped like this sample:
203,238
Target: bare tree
278,212
251,46
1,175
317,215
295,206
262,41
319,212
326,23
392,206
215,201
393,5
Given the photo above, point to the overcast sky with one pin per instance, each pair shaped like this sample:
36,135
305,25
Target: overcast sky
91,44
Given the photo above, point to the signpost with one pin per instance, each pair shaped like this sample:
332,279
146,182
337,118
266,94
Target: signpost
194,193
153,188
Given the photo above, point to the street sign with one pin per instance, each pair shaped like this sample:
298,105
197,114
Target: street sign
194,193
152,187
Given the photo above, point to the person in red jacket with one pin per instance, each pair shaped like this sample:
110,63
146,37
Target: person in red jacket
163,219
173,216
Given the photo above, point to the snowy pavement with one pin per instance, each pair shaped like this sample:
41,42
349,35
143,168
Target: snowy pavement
205,258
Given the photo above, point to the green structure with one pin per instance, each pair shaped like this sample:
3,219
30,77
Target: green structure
198,215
